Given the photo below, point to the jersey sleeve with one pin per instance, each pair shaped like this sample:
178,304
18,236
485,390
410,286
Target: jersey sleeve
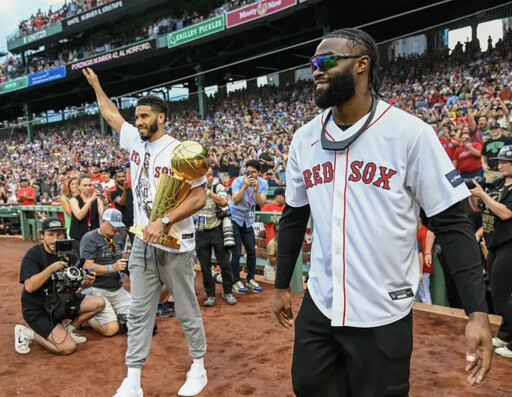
296,195
127,136
197,182
431,177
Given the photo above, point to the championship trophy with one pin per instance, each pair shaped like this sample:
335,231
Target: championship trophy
189,161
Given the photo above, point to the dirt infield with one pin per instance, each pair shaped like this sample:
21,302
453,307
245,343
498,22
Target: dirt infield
249,354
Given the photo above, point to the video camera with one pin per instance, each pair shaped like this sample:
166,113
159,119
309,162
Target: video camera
470,183
69,279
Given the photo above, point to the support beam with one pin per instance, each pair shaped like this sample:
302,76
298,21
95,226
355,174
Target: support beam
28,115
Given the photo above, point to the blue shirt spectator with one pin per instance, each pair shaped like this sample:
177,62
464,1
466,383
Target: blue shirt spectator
244,211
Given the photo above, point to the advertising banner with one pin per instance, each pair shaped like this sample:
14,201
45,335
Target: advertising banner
47,76
194,32
14,85
256,10
40,34
96,12
133,51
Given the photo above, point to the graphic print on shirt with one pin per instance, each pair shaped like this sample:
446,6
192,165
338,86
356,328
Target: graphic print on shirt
143,189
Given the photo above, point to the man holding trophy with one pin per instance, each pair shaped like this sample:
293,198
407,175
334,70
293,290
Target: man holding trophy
168,185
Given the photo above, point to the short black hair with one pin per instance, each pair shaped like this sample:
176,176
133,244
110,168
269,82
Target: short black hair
358,38
253,163
156,103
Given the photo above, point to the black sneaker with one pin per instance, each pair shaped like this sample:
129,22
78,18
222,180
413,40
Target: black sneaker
210,301
164,311
170,306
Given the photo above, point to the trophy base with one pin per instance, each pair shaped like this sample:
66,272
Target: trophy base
165,239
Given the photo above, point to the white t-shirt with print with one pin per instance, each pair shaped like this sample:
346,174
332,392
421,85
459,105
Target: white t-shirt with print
157,156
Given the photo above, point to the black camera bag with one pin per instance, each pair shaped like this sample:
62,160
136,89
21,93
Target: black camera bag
59,306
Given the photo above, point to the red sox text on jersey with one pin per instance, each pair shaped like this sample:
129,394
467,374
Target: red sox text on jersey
135,157
360,171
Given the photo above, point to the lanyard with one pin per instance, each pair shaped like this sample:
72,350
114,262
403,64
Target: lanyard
250,198
343,144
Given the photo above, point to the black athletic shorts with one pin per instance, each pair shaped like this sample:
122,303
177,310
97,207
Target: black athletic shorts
39,320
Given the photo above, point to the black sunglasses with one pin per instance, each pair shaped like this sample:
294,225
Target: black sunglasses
326,61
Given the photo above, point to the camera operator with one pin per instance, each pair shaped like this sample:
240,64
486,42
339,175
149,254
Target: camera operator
102,250
497,223
210,235
37,267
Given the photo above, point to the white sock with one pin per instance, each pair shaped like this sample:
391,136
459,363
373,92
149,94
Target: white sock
134,377
70,327
28,332
199,361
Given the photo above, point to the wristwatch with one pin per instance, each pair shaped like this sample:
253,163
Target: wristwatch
165,220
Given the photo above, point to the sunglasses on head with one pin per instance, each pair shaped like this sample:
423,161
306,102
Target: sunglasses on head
326,61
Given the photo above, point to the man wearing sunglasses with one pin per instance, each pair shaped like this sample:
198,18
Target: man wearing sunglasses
361,160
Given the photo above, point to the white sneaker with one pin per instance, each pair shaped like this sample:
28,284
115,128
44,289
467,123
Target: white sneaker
504,351
127,390
71,331
497,342
196,381
21,341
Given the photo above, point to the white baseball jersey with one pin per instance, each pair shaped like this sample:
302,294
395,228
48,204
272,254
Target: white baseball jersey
365,204
149,160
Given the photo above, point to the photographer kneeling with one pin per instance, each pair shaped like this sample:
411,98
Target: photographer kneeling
40,268
497,225
102,250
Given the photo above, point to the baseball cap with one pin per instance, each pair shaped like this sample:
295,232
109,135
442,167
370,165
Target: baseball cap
495,125
279,191
84,163
96,164
504,154
114,217
53,224
70,168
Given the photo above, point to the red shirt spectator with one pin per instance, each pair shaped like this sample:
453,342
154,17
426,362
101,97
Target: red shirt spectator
467,155
275,206
26,195
422,237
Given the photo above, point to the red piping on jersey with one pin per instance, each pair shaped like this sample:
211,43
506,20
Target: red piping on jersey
160,152
344,234
314,143
378,118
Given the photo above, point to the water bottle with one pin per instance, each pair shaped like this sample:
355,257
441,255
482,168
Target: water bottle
201,223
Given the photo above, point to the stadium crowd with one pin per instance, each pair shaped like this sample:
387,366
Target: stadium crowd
43,19
12,67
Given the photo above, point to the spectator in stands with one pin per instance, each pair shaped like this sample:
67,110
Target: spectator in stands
248,191
95,173
102,250
26,195
63,200
122,197
426,265
85,167
86,209
491,148
106,181
497,224
272,179
448,142
269,272
210,236
277,205
466,157
37,267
